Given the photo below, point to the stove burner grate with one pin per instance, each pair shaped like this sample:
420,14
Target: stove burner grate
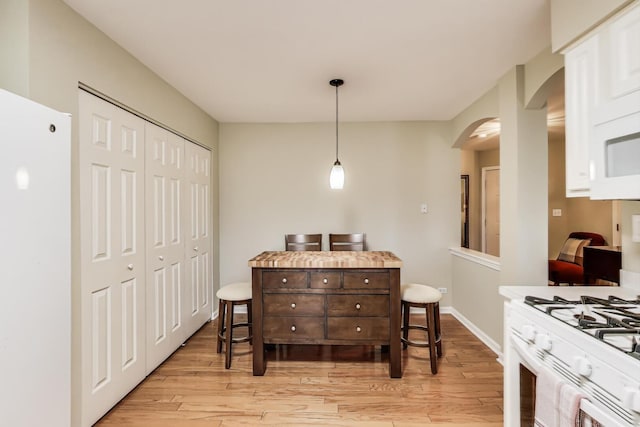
613,320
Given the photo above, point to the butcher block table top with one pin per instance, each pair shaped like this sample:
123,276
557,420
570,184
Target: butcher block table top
325,259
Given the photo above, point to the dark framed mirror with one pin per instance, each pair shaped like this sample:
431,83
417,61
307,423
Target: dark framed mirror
464,211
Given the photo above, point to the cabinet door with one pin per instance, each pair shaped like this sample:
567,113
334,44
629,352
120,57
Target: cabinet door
199,283
165,243
581,95
112,280
624,45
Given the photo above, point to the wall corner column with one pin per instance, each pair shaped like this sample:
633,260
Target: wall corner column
523,185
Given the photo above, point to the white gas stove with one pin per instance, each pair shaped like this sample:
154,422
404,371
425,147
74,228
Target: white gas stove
587,336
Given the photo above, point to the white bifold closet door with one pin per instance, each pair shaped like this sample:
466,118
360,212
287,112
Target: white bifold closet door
112,255
165,244
198,236
146,281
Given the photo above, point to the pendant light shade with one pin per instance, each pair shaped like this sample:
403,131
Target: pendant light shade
336,178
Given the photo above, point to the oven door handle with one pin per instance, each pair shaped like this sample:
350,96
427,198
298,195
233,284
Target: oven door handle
598,414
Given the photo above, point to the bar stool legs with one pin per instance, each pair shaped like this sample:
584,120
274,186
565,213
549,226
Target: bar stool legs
422,296
231,296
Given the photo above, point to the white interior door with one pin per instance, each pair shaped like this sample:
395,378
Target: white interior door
165,243
198,244
112,254
491,210
35,260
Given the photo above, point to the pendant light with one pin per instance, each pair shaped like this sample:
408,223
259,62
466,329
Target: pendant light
336,179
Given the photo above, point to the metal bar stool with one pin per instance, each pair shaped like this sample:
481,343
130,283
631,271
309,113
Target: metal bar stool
423,296
230,296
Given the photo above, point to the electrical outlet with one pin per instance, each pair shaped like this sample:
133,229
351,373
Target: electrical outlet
442,290
556,212
423,208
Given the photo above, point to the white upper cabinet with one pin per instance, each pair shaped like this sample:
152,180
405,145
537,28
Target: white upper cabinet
602,101
625,54
581,95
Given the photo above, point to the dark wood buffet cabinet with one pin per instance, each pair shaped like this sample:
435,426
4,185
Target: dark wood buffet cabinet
332,298
601,262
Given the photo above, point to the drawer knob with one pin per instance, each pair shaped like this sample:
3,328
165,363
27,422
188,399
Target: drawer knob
293,305
358,306
130,266
161,258
284,280
366,281
358,329
325,280
293,328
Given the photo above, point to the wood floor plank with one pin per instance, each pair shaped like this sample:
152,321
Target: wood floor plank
319,385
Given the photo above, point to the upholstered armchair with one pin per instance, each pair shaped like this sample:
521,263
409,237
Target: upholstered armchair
567,268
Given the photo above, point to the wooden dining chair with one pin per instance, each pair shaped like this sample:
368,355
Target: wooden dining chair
303,242
347,242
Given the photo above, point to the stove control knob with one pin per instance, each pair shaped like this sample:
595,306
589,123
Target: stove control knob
529,333
631,399
582,366
543,342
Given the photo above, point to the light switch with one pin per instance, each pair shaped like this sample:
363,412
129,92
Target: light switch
423,208
557,212
635,228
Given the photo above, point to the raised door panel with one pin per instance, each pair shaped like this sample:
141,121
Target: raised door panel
165,243
112,254
581,96
199,282
625,53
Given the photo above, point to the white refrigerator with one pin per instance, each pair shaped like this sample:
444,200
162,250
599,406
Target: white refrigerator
35,264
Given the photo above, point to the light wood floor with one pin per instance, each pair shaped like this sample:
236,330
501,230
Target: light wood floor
316,385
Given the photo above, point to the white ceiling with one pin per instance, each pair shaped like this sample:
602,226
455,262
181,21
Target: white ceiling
271,60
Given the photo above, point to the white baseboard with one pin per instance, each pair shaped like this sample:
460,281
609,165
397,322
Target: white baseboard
486,340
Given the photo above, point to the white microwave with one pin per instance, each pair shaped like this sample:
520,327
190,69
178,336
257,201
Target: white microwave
614,167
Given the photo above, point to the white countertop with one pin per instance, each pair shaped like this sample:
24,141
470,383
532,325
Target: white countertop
568,292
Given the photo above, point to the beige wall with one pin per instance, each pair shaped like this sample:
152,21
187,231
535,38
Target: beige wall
14,46
630,250
571,18
523,185
274,180
476,297
558,225
523,207
578,213
55,50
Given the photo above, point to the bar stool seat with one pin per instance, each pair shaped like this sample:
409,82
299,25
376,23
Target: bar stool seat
422,296
230,296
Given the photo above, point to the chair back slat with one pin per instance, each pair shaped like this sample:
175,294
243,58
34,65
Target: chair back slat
347,242
303,242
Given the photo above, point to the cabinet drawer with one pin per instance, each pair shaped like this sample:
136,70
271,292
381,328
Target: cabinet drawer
293,305
293,328
358,328
358,305
366,280
284,279
324,280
